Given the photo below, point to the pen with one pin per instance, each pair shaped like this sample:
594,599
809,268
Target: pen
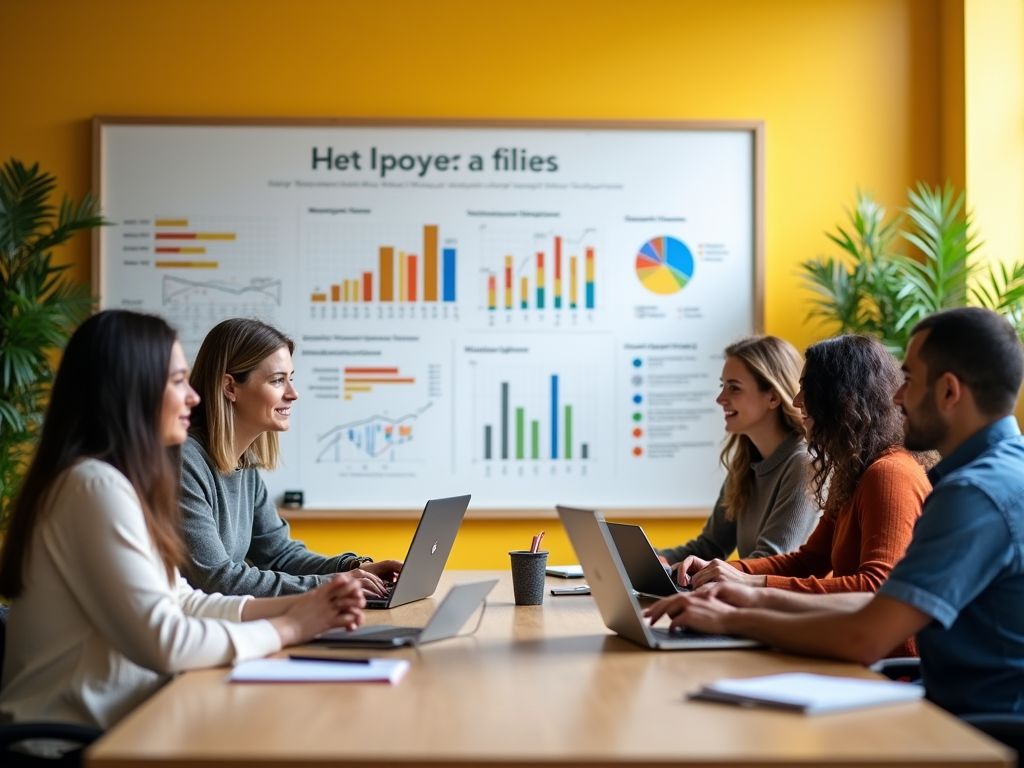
297,657
535,547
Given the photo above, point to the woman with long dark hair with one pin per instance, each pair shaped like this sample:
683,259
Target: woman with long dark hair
870,487
763,508
99,617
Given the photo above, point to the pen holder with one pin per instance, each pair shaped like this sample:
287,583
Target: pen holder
528,576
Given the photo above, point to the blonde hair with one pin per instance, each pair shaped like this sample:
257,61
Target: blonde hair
775,365
236,347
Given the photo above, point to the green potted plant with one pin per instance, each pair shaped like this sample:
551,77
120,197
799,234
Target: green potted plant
873,288
39,307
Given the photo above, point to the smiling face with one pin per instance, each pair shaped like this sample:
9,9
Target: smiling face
179,399
263,403
746,407
800,403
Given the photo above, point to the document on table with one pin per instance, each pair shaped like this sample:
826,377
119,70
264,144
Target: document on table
808,693
328,671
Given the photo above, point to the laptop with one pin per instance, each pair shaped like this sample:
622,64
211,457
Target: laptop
428,553
453,612
646,572
613,593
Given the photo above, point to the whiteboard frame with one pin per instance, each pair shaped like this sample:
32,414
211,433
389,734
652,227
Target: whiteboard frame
755,128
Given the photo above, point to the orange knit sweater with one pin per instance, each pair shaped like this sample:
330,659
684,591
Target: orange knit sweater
855,551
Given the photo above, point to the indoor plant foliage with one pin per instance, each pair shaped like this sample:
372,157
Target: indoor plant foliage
875,289
39,307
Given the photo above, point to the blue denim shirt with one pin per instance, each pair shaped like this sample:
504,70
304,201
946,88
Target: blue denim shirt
965,569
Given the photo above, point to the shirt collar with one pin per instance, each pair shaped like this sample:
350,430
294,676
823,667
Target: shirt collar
974,446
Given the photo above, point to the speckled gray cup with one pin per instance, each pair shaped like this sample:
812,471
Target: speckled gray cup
528,576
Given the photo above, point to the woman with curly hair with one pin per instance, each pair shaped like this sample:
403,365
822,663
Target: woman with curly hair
870,487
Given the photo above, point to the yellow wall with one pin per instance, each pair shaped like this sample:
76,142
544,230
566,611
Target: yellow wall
849,91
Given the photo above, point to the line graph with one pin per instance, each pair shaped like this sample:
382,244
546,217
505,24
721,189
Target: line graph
179,290
372,437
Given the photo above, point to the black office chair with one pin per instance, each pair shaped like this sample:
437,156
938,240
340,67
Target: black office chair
69,740
1007,728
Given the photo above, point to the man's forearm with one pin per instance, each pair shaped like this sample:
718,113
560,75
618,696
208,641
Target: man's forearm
828,635
798,602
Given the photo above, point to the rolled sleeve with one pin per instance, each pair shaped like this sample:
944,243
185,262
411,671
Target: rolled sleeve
958,518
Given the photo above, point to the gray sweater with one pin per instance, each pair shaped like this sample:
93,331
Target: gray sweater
778,517
235,541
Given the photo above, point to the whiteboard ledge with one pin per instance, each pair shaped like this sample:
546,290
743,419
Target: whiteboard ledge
381,515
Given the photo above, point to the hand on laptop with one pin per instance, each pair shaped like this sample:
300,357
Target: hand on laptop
693,610
695,573
375,577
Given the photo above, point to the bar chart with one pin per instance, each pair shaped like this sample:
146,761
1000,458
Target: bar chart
363,380
533,414
545,271
421,272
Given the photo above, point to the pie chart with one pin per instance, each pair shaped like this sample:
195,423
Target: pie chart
664,265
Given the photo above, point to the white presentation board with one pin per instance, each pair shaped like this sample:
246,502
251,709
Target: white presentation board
530,313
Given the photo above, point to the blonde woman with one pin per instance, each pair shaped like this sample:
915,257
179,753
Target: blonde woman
100,618
764,507
236,542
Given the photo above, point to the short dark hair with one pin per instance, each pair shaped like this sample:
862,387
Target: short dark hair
980,348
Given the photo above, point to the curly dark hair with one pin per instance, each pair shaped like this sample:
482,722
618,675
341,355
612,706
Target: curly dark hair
848,385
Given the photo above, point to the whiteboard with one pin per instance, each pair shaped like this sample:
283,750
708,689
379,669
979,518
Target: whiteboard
533,313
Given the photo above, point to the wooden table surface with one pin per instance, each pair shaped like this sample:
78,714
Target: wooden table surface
541,685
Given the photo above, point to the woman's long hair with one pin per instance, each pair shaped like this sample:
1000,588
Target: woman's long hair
237,347
848,385
775,365
105,404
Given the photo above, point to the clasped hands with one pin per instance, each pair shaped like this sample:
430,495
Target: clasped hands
695,573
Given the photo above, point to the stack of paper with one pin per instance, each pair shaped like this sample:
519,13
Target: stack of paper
807,693
329,671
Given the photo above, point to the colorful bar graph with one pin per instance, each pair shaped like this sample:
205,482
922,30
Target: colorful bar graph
525,286
187,264
558,273
520,423
196,236
572,282
540,280
387,273
411,280
449,275
568,431
492,293
590,278
534,439
335,293
318,297
508,282
430,262
554,417
412,285
180,249
504,420
171,222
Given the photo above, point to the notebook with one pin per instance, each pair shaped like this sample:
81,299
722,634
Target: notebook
809,693
646,572
613,592
328,671
453,612
428,553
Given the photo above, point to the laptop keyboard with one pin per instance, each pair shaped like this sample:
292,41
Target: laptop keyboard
680,633
381,602
389,633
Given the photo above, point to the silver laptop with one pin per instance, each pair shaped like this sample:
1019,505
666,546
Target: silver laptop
647,575
428,553
613,593
453,612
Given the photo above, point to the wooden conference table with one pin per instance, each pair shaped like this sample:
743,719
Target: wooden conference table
542,685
